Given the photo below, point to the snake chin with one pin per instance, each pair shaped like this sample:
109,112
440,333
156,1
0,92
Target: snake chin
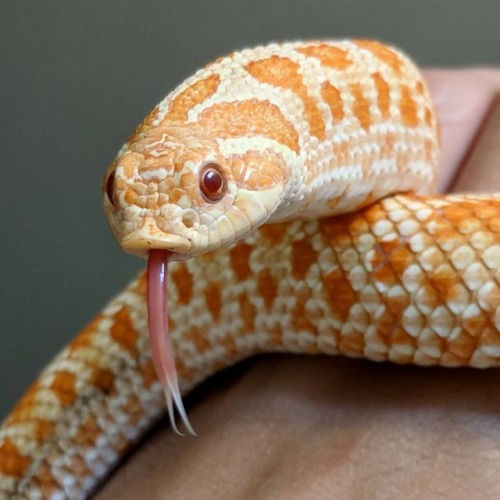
148,237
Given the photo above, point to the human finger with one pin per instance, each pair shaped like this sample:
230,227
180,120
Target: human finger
465,101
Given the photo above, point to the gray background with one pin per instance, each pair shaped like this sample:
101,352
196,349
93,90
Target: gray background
75,79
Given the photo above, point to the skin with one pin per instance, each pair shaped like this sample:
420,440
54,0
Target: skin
299,427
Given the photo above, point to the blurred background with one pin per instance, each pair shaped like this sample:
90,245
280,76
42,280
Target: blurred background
76,78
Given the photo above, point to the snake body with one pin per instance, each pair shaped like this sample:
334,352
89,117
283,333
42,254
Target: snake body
314,139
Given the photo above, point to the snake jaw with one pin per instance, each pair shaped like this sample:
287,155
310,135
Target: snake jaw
161,345
148,236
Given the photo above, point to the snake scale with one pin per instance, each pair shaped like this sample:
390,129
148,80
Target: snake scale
305,166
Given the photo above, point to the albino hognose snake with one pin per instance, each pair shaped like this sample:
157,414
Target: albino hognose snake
289,131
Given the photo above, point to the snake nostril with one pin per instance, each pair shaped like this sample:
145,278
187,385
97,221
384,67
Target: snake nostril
110,188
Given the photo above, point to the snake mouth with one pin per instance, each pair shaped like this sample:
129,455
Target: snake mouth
149,237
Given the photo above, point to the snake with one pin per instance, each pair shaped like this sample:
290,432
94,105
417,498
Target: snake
284,193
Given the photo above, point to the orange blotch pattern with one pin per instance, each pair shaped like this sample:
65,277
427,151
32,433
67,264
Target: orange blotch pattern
189,98
444,279
361,107
408,107
43,429
213,300
284,73
249,118
103,379
330,57
274,233
341,294
123,332
332,97
12,461
184,283
383,95
248,314
303,257
383,53
240,261
267,287
401,258
334,230
390,260
63,386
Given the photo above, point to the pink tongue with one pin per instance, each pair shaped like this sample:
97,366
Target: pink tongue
161,347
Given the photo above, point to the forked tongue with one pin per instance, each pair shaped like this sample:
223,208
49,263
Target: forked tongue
161,346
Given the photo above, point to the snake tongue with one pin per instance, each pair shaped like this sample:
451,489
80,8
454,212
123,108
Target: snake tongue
161,346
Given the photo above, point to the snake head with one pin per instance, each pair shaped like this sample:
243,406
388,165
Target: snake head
175,188
174,192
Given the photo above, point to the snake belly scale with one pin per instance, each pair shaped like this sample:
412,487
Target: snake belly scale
286,161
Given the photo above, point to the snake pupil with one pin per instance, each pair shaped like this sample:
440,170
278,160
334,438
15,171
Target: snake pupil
212,183
110,188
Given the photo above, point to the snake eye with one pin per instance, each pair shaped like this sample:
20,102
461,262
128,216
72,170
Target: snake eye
110,188
212,182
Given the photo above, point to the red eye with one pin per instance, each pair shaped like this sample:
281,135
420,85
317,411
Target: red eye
212,182
110,188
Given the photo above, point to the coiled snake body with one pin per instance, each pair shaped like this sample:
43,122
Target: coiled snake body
287,159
